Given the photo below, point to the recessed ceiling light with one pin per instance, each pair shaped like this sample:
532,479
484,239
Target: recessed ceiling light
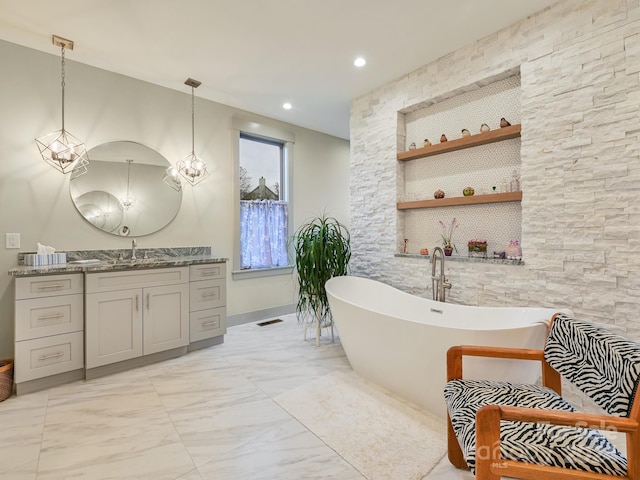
359,62
287,106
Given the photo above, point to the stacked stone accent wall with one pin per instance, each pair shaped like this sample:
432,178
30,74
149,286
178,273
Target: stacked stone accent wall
579,62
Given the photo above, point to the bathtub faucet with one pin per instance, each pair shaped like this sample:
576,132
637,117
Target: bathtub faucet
439,282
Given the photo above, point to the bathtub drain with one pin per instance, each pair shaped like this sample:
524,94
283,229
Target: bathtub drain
435,310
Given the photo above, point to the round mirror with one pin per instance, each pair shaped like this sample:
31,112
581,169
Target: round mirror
122,191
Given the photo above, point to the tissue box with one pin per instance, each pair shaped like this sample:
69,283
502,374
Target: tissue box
39,260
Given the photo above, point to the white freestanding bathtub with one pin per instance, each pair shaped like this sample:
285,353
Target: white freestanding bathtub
399,341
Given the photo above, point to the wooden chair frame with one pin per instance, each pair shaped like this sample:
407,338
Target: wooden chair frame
492,466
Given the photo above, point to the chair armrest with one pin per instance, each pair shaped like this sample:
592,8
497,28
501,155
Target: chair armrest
569,419
550,378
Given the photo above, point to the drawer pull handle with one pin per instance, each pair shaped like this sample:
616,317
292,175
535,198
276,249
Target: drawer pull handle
208,294
49,317
137,302
45,287
148,301
207,324
208,273
53,355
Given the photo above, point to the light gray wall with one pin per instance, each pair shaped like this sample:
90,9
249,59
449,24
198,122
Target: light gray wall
102,106
580,149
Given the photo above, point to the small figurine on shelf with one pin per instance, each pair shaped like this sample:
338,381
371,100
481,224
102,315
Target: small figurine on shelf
424,251
405,249
465,132
438,194
443,138
468,191
513,250
504,123
484,128
427,143
412,146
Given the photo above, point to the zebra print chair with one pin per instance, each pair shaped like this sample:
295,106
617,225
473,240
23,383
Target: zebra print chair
505,429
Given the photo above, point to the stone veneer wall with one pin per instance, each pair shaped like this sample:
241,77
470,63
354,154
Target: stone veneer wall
579,62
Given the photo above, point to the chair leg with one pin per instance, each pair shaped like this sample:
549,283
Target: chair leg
454,452
487,442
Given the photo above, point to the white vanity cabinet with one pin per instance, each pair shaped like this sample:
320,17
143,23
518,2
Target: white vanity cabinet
207,300
48,326
132,313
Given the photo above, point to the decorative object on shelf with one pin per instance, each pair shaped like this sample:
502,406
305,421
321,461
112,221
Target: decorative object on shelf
504,187
504,123
443,138
447,235
405,248
484,128
513,250
438,194
192,168
60,149
515,182
468,191
424,251
494,189
465,133
499,254
427,143
477,247
412,146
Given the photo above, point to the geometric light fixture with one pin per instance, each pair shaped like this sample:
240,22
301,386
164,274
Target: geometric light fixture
172,178
192,168
61,149
129,200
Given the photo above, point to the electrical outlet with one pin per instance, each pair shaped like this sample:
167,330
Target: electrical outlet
13,240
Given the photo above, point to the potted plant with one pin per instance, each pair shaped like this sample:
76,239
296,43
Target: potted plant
447,236
322,251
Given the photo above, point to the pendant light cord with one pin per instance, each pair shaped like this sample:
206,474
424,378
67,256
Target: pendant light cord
193,122
62,87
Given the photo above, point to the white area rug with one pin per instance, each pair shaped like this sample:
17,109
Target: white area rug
382,436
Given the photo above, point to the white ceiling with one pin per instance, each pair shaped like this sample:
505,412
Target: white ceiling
257,54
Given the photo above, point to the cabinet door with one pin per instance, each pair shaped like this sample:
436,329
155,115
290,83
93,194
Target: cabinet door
166,318
113,327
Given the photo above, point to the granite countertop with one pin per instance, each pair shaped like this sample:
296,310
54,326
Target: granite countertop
92,261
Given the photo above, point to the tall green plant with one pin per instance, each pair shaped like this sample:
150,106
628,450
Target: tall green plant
322,249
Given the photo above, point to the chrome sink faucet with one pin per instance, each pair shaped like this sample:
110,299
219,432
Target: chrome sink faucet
439,282
134,244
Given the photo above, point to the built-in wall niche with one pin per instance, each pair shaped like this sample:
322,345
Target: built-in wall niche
487,168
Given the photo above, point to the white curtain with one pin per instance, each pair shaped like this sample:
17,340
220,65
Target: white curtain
263,234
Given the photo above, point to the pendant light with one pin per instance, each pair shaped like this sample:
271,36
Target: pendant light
60,149
192,168
172,178
129,200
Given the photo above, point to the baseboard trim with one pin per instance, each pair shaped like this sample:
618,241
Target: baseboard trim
249,317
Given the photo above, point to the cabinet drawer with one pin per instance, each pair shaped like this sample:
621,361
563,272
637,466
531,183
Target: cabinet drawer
48,286
207,294
43,317
126,279
207,271
207,323
48,356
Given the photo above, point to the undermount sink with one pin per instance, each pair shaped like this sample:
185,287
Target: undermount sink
86,261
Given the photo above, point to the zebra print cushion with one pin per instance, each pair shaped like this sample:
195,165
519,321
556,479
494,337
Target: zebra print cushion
542,444
604,365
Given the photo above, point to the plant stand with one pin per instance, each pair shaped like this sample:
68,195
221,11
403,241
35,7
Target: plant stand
311,320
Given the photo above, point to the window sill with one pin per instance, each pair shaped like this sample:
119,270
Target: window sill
261,272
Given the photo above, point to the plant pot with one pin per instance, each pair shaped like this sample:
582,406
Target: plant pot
447,251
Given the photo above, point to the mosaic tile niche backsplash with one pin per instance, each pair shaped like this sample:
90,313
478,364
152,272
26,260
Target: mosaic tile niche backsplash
483,168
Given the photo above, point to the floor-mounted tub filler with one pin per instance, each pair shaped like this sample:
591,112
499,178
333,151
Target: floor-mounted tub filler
399,341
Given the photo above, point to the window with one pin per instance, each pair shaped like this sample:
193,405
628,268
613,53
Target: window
264,208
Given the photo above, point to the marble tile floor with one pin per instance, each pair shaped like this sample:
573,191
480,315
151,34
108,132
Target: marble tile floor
210,414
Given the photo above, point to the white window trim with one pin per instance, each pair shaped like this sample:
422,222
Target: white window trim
267,132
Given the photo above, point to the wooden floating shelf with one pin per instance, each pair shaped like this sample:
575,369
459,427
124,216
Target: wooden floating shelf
455,201
491,136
